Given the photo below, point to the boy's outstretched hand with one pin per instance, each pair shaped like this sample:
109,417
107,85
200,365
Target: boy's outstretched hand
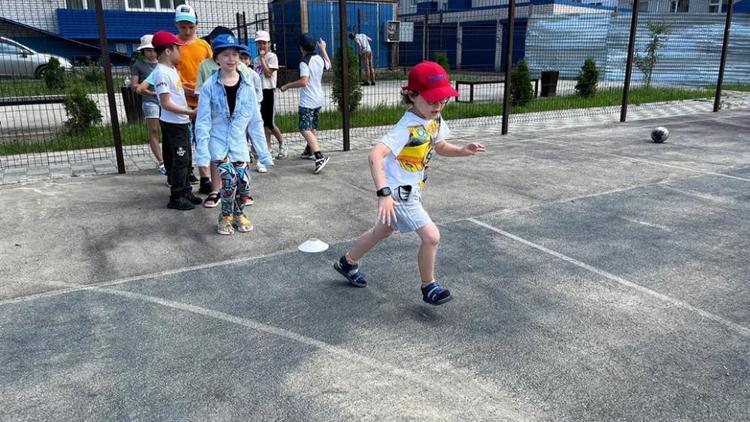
473,148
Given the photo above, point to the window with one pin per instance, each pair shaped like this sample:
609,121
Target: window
717,6
643,6
76,4
163,5
6,48
679,6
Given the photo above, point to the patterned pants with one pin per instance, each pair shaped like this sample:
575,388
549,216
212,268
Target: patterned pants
235,187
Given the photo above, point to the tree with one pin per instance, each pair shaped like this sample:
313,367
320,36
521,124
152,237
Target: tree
646,64
587,79
355,90
521,91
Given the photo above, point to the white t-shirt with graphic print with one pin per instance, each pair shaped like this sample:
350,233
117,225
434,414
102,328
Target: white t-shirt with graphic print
412,142
167,80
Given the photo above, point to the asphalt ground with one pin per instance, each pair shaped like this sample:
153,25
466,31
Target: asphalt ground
596,276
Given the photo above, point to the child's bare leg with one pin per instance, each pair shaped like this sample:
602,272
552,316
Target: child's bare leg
277,134
153,138
268,137
367,241
312,141
430,236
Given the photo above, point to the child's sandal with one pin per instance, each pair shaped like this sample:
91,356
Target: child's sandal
212,200
435,295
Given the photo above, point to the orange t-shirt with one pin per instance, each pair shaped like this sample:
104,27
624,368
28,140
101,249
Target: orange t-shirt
191,56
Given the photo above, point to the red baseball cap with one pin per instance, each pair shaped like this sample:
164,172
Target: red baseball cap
431,81
165,39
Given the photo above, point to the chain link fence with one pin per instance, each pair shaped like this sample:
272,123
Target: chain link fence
568,60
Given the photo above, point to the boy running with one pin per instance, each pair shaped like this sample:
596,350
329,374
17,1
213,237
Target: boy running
398,164
311,99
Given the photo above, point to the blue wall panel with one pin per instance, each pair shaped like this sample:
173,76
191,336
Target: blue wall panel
121,25
443,38
323,22
478,49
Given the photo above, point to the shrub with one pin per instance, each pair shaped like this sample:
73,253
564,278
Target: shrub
587,79
81,110
93,75
54,75
521,91
441,58
355,91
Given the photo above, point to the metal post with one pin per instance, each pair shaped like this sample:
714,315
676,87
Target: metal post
246,38
425,41
508,64
344,73
116,136
359,31
629,64
724,48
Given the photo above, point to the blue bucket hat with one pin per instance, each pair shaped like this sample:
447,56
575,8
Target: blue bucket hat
307,41
223,41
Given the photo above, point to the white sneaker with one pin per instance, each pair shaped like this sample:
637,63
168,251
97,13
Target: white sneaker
283,151
260,167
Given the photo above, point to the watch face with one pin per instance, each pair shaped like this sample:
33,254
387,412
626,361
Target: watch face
384,192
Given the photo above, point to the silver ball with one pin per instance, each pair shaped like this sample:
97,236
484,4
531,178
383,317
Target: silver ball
659,135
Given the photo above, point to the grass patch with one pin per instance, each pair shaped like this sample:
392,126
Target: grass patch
389,115
95,137
137,134
735,87
33,87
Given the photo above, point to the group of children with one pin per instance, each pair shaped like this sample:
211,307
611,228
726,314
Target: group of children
234,104
171,76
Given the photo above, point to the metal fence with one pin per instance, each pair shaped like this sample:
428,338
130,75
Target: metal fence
675,61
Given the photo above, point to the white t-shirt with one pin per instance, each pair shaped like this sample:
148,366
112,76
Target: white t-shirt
311,96
269,82
364,42
166,80
412,142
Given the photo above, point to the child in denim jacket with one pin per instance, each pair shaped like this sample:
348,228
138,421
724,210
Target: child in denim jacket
227,111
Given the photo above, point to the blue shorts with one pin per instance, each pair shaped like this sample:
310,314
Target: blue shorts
151,110
309,118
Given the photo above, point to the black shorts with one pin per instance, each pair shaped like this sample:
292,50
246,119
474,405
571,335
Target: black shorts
266,109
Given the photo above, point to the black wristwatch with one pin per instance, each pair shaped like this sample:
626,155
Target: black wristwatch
386,191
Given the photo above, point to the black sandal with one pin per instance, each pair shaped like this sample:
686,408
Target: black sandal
212,200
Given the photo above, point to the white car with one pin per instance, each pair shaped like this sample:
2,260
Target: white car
20,61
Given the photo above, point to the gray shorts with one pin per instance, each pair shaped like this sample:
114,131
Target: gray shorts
410,215
150,110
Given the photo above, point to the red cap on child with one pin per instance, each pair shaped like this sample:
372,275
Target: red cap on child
431,81
165,39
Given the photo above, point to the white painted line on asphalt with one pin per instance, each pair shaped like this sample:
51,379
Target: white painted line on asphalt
718,200
645,223
478,395
743,331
